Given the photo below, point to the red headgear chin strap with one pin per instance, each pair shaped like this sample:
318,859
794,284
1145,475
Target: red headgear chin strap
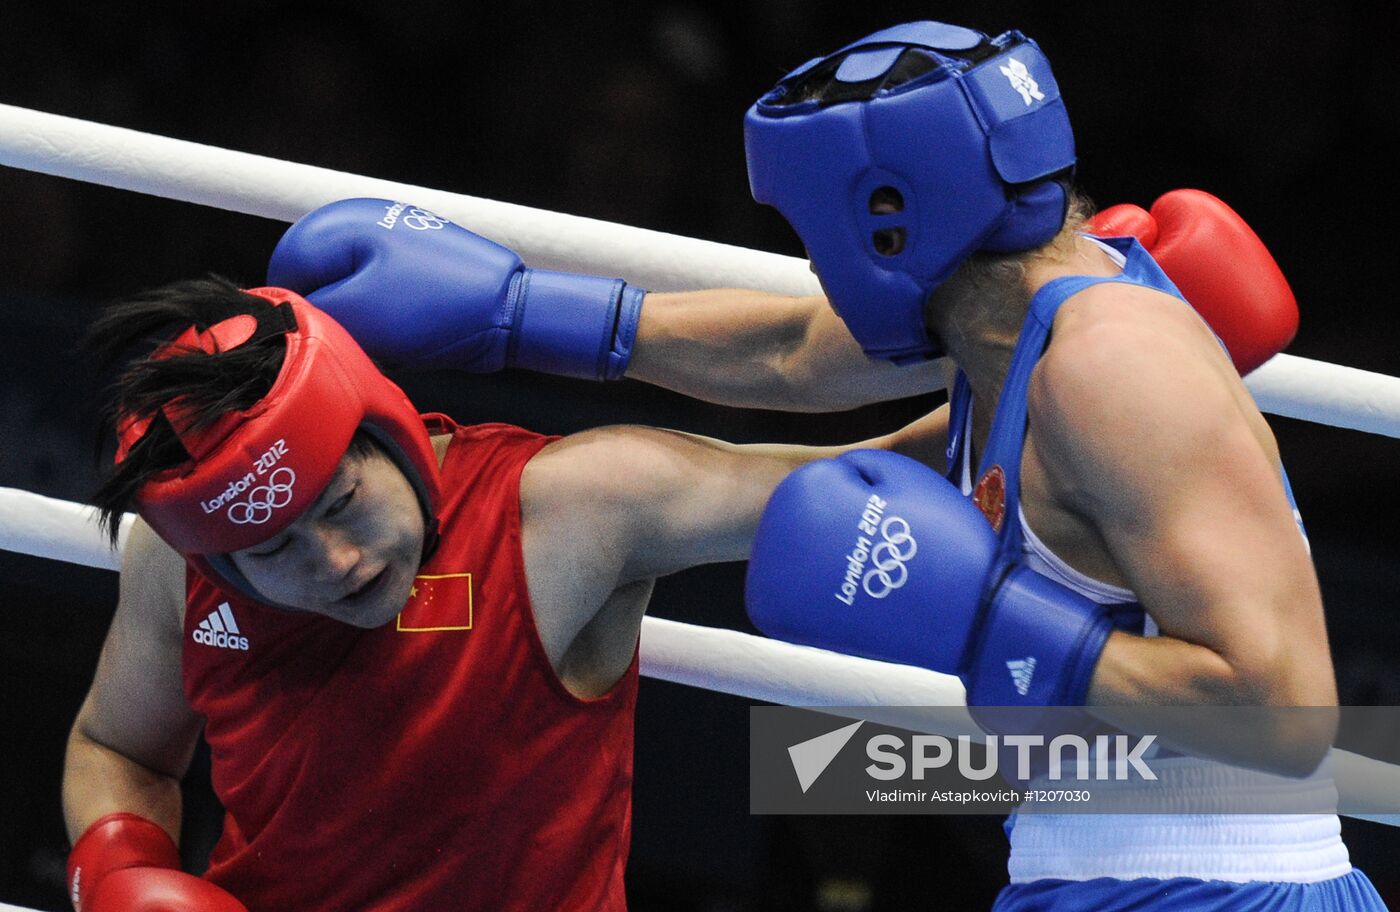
252,472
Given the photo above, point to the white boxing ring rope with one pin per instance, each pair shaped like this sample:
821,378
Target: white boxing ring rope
726,661
256,185
285,191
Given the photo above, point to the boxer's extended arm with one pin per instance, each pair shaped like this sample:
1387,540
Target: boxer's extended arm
607,510
1146,431
135,733
417,291
759,350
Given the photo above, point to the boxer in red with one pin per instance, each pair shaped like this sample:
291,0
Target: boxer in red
411,645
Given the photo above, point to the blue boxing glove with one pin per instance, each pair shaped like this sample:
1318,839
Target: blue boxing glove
877,555
417,291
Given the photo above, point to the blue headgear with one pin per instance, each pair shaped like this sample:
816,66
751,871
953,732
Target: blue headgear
902,154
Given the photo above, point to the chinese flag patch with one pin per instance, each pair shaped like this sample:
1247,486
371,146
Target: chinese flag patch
438,602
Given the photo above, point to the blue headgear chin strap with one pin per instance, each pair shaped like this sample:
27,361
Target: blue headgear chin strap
902,154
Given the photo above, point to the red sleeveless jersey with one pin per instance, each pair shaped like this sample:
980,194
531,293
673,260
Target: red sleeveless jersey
433,763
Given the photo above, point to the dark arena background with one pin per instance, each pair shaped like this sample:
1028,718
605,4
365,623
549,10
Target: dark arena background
632,113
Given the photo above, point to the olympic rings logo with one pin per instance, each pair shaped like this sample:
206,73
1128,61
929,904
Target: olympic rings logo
423,220
888,571
263,499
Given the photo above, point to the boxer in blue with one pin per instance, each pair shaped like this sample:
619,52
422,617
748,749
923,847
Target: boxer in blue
1112,455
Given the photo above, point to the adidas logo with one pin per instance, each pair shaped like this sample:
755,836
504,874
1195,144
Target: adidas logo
1021,671
220,629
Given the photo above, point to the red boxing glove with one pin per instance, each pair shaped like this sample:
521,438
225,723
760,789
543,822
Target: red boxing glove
1125,220
1221,267
126,863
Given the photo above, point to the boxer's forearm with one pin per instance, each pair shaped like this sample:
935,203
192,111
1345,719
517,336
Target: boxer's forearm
1136,671
758,350
726,346
98,781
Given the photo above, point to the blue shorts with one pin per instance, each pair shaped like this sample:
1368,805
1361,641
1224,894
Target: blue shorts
1105,894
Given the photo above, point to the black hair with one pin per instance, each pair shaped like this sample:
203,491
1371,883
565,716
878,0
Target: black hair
207,386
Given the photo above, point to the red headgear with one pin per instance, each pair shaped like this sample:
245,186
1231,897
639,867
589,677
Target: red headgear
252,472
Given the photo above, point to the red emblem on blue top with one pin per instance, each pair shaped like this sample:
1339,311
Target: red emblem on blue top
990,496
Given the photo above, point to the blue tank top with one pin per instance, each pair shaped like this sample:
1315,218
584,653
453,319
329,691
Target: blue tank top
998,487
1088,849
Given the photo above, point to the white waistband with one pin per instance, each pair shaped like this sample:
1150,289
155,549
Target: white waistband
1239,847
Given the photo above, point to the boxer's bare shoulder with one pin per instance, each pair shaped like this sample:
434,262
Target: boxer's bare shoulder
137,703
1134,381
153,583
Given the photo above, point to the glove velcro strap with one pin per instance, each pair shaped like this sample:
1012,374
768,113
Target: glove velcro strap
114,842
574,325
1040,643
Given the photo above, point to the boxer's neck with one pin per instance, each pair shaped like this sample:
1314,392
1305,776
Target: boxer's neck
979,315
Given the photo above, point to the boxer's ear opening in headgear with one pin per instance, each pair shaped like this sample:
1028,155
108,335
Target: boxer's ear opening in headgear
888,241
